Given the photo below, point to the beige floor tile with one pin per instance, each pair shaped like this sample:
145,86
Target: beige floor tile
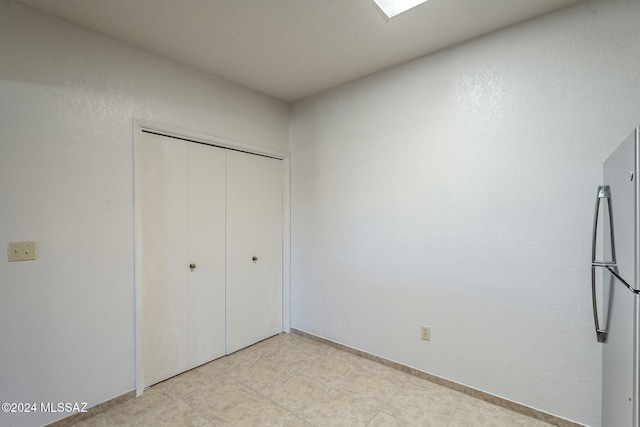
188,381
537,423
441,391
337,409
257,411
373,384
264,375
420,407
211,369
272,344
386,372
291,381
150,401
218,396
419,381
217,423
472,405
294,356
327,369
464,418
348,358
386,420
176,414
99,420
299,422
298,393
315,346
237,362
293,339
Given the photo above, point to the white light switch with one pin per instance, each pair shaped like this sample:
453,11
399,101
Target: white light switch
22,251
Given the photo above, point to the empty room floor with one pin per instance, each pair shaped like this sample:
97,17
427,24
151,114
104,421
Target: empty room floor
293,381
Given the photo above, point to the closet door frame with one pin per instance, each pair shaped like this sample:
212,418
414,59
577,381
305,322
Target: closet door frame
140,126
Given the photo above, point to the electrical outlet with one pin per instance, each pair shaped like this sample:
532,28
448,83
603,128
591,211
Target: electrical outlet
426,333
22,251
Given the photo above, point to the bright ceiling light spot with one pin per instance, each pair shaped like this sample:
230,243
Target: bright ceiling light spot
392,8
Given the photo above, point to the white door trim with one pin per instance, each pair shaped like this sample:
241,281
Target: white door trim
140,125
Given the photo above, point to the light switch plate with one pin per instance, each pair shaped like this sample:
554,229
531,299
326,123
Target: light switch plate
22,251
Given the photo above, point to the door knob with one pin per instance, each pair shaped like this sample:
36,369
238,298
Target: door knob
255,258
192,266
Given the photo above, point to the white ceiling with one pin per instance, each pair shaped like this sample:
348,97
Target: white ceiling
291,49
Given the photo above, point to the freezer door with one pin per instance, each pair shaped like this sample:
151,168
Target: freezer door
619,357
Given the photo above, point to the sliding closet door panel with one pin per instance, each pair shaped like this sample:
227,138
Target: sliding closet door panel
254,249
206,282
163,178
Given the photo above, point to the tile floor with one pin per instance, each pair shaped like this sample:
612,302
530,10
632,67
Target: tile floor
292,381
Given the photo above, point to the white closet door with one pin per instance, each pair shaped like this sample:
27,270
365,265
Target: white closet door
254,229
206,249
164,184
182,208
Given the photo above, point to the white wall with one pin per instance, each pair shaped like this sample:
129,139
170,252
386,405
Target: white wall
457,191
67,100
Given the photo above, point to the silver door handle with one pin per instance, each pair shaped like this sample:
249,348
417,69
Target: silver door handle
604,192
601,334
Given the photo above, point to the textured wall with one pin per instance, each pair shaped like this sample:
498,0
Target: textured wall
68,97
457,191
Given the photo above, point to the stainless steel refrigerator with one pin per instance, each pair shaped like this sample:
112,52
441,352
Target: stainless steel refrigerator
614,284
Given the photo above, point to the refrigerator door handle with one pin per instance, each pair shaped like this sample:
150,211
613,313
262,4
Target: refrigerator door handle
614,271
601,334
604,192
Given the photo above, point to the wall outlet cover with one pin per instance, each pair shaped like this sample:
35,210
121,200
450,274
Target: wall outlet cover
426,333
22,251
